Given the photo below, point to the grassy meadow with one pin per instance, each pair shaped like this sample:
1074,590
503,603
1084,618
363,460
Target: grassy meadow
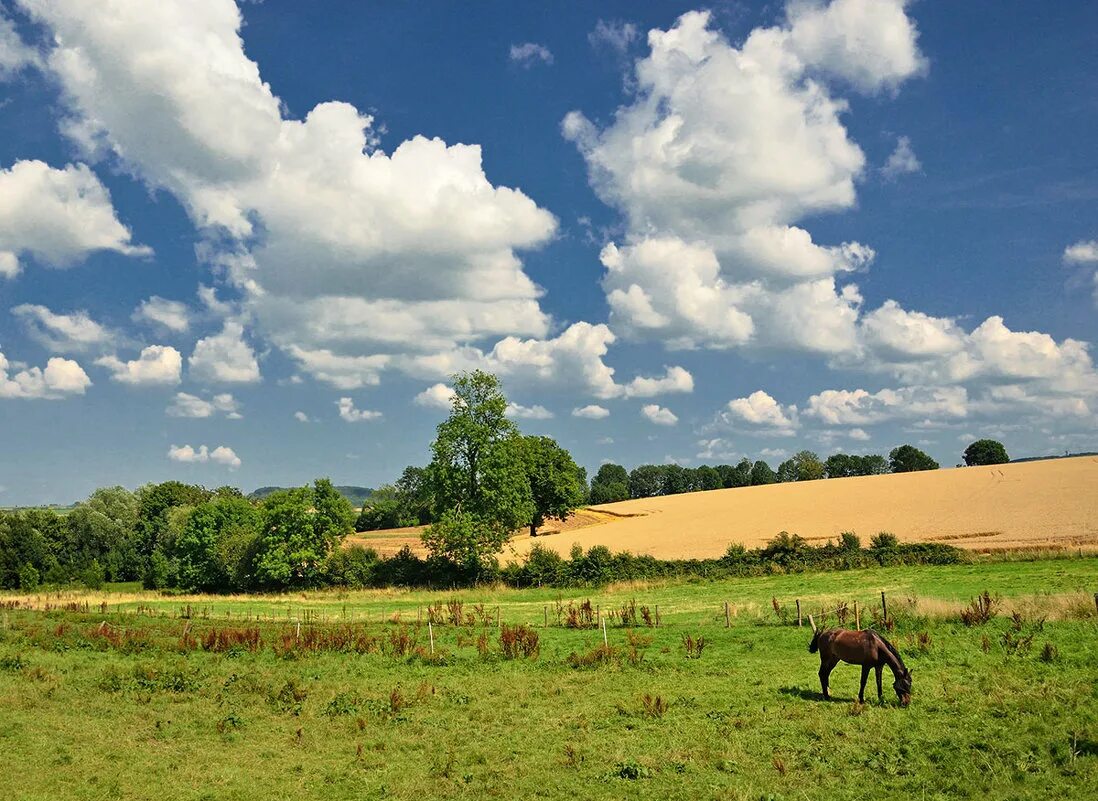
133,700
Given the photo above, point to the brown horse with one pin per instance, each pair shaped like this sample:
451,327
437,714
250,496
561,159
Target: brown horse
866,648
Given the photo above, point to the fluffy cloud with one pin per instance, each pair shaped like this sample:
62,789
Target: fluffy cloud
337,244
902,161
156,365
301,417
222,454
64,333
170,314
437,396
187,405
591,412
348,412
529,53
224,357
61,377
721,152
517,411
659,415
860,407
14,54
1083,252
342,372
761,410
58,216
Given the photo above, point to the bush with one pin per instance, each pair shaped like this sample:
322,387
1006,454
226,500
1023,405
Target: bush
28,578
884,540
93,576
980,610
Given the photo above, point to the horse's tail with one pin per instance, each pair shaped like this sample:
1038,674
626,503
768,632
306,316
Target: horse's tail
814,646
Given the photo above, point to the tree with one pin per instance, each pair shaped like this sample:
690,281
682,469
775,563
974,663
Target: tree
909,459
741,473
300,527
808,466
610,484
218,539
787,471
874,465
839,465
645,481
414,492
761,473
708,478
477,474
986,451
556,483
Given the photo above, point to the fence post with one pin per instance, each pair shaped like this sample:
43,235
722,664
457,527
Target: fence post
813,622
727,616
884,606
605,642
497,617
857,617
1096,602
598,615
431,635
657,616
545,609
800,620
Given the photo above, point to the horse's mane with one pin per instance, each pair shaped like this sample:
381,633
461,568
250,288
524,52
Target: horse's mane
891,648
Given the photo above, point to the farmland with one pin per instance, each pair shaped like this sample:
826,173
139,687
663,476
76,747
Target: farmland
135,694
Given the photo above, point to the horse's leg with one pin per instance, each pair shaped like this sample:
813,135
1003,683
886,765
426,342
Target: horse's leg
880,695
865,677
825,672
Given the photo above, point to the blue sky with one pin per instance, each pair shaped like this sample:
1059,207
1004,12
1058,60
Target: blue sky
248,244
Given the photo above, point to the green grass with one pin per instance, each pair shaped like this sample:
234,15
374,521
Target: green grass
80,718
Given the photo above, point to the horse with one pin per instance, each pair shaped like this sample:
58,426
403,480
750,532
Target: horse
866,648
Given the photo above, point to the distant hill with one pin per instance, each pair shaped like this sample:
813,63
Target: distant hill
356,495
1060,456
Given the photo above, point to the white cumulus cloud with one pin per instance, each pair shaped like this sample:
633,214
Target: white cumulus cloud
761,410
65,333
348,412
436,396
170,314
591,412
60,377
222,454
528,54
155,365
517,411
902,161
224,357
659,415
187,405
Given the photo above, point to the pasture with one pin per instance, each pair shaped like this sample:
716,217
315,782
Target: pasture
228,698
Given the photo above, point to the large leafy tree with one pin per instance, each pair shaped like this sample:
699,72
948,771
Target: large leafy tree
761,473
556,481
646,481
909,459
477,475
986,451
217,543
807,466
300,527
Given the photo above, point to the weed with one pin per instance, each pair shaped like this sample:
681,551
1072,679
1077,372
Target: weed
599,655
290,698
693,646
631,771
519,641
980,610
654,706
637,644
580,617
779,610
1049,653
779,765
572,756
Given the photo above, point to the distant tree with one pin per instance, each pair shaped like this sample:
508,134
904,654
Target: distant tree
741,473
762,474
477,474
300,527
219,537
676,479
646,481
610,484
884,540
985,451
909,459
808,466
839,465
557,485
154,502
874,465
414,491
727,473
708,478
383,509
787,471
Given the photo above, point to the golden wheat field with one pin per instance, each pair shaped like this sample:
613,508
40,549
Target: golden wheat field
1047,504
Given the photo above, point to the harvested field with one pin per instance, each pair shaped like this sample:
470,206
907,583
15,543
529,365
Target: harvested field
1047,504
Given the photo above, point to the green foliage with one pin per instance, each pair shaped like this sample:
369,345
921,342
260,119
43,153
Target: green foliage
909,459
808,466
610,484
556,482
787,471
762,474
28,578
300,527
217,544
986,451
477,475
883,540
841,465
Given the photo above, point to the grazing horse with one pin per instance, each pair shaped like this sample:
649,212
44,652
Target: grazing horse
866,648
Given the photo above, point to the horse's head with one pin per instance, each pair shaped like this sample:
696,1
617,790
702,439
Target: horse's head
902,686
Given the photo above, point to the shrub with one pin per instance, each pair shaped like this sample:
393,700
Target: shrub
693,646
884,540
28,577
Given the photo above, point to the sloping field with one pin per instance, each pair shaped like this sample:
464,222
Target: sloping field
1051,503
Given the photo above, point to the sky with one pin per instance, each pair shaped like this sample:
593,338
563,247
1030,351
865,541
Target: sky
251,243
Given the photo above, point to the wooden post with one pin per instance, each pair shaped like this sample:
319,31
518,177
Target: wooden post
800,621
857,617
431,635
657,616
813,622
605,642
598,615
727,616
545,609
497,618
884,606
